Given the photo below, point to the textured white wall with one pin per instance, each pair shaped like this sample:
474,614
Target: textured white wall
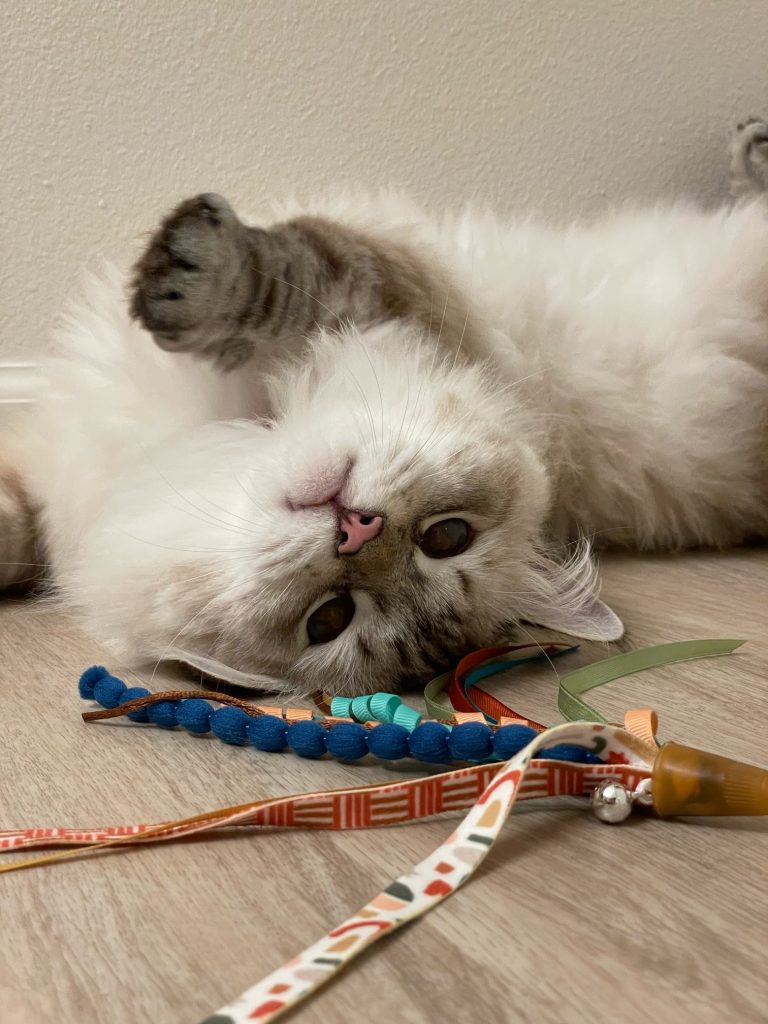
111,111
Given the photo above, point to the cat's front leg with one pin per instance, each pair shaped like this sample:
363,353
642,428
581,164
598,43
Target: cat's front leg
211,285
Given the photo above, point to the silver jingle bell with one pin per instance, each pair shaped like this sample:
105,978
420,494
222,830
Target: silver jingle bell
611,802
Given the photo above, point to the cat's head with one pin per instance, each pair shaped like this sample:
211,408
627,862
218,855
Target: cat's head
387,522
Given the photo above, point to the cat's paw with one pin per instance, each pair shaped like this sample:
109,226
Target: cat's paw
749,158
192,283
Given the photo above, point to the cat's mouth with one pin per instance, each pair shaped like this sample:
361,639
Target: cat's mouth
321,487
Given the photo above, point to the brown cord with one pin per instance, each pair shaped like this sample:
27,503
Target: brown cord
253,710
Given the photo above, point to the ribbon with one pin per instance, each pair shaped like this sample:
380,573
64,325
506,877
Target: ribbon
466,696
370,806
583,679
428,883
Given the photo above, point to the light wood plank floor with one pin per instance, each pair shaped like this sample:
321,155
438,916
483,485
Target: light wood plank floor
568,920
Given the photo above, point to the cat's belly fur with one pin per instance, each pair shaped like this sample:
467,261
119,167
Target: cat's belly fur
643,346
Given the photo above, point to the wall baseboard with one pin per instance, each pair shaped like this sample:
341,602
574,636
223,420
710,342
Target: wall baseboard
19,387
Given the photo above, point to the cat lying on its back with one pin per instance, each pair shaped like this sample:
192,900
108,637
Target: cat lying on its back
364,437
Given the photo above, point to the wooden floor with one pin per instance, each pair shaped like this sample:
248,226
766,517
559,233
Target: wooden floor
568,919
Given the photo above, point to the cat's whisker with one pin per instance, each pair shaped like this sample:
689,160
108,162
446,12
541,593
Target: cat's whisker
435,351
244,519
394,447
252,500
267,513
439,335
433,438
227,512
208,517
184,550
521,380
367,355
183,629
542,649
366,403
303,291
461,340
30,565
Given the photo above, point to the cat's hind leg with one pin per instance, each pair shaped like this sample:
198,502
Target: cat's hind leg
748,170
20,547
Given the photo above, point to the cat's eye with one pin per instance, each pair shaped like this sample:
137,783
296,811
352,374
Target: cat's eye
330,619
446,538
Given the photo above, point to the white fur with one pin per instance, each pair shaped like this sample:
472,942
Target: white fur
625,398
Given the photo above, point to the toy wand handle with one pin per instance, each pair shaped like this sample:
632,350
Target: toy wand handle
686,781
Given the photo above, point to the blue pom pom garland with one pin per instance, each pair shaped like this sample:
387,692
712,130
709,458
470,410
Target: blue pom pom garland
402,732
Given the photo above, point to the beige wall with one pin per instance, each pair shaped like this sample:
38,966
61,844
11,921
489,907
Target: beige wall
111,111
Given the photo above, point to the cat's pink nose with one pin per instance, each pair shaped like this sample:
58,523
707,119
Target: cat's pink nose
356,530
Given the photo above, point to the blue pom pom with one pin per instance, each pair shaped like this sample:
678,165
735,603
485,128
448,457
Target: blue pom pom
510,740
194,715
230,724
88,680
109,690
389,741
307,739
133,693
163,714
268,732
429,742
569,752
347,741
471,741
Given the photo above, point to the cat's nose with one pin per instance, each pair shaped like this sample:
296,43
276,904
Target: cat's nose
356,530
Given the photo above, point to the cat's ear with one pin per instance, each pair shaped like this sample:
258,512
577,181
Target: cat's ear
562,597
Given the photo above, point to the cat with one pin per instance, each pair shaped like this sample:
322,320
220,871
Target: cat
339,452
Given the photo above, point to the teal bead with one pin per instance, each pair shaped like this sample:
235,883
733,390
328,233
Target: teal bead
409,718
361,709
384,706
340,707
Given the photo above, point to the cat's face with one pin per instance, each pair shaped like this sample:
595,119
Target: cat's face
434,461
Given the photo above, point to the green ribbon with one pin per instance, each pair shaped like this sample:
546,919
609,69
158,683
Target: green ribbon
572,685
581,680
443,712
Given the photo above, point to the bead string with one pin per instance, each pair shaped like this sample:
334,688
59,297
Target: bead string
240,723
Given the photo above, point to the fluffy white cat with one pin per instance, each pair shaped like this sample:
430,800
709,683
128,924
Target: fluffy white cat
360,442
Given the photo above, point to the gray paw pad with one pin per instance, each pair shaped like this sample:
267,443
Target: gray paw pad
180,278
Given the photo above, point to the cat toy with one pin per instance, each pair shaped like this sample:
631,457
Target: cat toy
379,725
620,768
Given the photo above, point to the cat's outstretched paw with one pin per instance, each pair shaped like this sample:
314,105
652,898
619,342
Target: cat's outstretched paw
193,284
749,158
